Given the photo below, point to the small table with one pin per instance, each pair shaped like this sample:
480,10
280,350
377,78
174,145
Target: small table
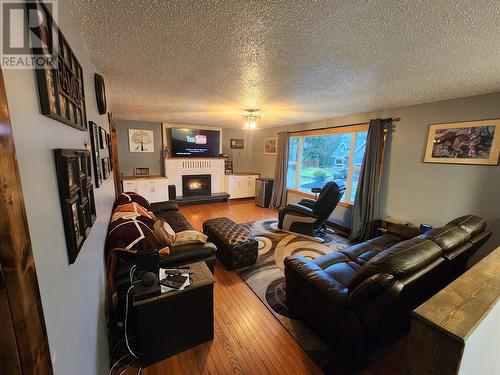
176,320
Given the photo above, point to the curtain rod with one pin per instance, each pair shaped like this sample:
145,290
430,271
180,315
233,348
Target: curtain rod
395,119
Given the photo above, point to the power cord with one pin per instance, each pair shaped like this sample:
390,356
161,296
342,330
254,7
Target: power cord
116,363
126,318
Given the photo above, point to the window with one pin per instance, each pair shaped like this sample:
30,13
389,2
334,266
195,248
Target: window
317,157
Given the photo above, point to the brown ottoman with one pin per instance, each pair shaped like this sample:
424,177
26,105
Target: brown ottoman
236,247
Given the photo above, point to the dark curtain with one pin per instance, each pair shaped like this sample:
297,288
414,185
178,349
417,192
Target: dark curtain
366,205
278,197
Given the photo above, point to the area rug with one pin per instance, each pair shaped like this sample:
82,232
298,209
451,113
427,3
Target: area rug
267,280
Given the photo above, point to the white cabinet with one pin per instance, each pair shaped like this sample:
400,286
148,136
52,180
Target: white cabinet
241,185
154,189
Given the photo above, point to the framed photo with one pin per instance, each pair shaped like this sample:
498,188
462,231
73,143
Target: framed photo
271,145
105,167
60,88
103,139
110,152
140,140
141,171
471,142
228,167
94,140
76,196
238,144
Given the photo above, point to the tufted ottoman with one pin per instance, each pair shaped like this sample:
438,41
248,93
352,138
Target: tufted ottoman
236,247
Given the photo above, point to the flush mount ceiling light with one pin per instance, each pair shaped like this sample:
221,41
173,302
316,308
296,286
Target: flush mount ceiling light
251,120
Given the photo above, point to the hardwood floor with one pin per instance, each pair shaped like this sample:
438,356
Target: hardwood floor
240,211
248,338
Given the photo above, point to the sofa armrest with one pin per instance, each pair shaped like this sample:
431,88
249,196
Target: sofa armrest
313,275
164,206
369,288
188,253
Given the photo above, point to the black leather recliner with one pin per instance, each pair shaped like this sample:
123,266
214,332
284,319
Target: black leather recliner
308,217
356,298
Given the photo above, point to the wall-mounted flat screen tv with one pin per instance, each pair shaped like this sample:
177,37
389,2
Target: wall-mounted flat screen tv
195,142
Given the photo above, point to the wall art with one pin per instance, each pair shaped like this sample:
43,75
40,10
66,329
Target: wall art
471,142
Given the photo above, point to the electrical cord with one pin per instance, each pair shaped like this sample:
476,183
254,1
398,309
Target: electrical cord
131,273
126,318
114,365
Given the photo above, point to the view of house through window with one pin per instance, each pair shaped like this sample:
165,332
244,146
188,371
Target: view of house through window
316,158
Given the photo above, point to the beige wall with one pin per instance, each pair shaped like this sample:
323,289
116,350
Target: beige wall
73,296
413,190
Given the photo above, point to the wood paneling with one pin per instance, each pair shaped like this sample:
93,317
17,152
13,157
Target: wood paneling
442,325
16,258
116,160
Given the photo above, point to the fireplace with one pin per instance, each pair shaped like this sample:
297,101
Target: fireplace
196,184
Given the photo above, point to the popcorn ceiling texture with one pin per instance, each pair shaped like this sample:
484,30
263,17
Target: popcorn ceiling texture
203,62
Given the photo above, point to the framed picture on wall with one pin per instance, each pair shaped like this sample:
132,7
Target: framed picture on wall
76,196
471,142
271,145
140,140
105,167
143,171
103,140
60,88
94,141
238,144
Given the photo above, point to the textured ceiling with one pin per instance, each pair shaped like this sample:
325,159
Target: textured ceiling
204,62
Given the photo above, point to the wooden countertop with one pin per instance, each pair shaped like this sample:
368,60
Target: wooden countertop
125,178
244,174
459,308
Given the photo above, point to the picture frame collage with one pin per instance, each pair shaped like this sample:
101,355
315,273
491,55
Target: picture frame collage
76,195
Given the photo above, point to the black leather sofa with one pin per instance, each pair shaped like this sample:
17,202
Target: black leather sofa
358,297
180,255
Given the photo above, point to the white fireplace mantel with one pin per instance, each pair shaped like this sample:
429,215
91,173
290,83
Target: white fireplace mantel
175,168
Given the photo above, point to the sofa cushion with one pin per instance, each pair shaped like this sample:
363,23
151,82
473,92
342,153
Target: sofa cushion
338,266
448,237
470,223
400,260
363,252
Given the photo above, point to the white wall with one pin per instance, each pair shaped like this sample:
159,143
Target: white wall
73,296
480,355
413,190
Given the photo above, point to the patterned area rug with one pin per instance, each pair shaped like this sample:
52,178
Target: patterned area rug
267,280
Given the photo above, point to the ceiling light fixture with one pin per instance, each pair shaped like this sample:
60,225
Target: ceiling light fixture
251,120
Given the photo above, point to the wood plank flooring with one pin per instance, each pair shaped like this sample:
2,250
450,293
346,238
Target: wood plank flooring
248,338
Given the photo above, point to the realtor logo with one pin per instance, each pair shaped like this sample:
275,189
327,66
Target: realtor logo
28,36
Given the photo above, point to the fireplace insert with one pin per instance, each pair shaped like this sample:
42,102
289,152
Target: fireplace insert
199,184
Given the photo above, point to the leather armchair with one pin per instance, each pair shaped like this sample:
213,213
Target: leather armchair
356,298
308,217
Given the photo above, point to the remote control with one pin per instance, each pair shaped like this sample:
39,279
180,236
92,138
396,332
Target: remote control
177,271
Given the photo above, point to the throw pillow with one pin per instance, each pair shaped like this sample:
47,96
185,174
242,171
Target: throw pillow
163,232
188,237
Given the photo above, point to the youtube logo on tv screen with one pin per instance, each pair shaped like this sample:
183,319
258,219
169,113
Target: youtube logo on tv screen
195,142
